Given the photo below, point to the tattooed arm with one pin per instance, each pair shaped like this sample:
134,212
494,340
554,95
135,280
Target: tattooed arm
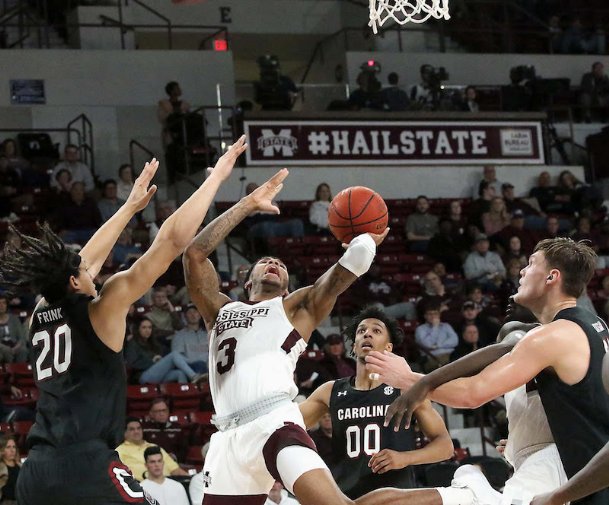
201,276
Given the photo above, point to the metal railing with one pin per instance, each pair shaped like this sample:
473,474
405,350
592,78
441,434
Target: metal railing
23,20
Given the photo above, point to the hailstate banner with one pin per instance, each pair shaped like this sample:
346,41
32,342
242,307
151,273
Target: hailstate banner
304,142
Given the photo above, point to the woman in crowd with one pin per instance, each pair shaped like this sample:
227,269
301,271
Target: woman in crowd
144,355
497,218
9,469
318,211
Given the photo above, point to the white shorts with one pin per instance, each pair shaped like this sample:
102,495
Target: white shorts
542,472
242,461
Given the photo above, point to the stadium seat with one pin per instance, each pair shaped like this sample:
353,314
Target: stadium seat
139,398
194,456
22,374
182,396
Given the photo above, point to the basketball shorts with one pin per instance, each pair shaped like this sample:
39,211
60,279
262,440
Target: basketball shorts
83,473
542,472
240,466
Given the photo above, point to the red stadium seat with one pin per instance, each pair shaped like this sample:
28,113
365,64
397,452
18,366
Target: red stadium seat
182,396
140,397
194,456
21,374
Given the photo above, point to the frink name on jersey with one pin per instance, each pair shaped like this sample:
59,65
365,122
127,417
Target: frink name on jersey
362,412
49,315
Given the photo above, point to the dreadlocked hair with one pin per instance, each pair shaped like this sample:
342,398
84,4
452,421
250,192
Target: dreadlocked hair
42,265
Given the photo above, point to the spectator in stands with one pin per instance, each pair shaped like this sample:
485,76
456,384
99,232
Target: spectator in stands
446,246
421,95
545,193
386,294
10,186
165,318
78,218
457,219
555,31
489,175
144,355
335,361
109,203
126,179
575,40
15,161
131,451
125,250
594,90
488,328
238,292
421,226
515,252
196,488
474,292
497,217
279,496
434,294
13,337
470,102
264,225
528,239
318,211
322,437
582,197
509,286
71,162
552,229
393,97
9,468
484,266
159,430
367,93
437,338
533,218
169,108
518,95
468,342
64,183
480,205
164,491
191,341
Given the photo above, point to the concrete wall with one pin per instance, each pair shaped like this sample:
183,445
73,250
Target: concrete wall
117,90
390,182
481,69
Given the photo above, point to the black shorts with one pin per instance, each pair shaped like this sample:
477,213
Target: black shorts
87,473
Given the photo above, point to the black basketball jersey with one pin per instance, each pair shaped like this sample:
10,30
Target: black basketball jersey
82,382
358,433
579,415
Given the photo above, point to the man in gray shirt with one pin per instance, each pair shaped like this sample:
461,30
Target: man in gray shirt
421,226
192,341
484,266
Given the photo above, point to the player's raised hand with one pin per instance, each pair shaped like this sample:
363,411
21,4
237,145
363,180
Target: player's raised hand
404,405
390,369
226,162
263,195
141,194
388,459
378,238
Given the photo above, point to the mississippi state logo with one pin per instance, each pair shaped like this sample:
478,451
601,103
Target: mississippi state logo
283,142
388,390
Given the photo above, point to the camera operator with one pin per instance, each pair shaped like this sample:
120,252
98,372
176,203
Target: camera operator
428,93
367,95
274,91
518,95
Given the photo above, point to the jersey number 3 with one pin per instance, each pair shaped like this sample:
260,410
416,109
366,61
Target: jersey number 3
226,355
61,347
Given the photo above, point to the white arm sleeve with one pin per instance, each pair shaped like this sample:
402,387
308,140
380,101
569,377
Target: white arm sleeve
359,255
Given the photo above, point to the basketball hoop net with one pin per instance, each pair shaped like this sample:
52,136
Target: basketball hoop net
406,11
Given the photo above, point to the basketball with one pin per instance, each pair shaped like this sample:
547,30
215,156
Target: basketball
357,210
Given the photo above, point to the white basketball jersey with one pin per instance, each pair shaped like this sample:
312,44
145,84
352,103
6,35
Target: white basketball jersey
527,425
253,349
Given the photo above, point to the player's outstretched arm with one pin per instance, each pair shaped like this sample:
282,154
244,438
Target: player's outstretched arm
316,405
420,386
201,277
97,249
591,478
440,447
109,309
309,306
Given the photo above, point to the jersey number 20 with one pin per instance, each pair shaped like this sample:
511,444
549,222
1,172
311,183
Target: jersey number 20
62,351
